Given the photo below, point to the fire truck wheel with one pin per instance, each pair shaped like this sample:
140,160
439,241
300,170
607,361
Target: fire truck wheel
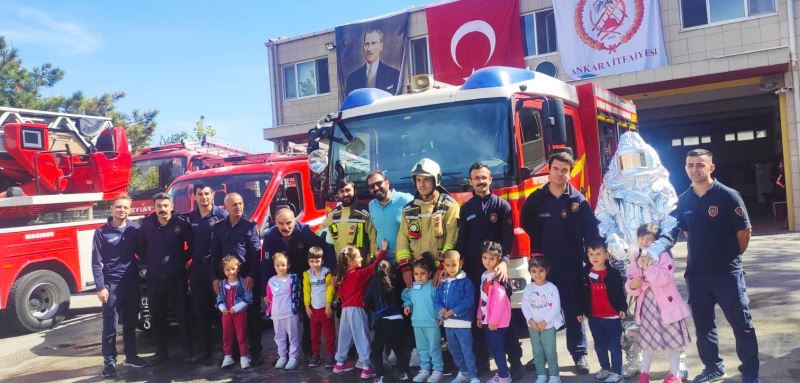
39,300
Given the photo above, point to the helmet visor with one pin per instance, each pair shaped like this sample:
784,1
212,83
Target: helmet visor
629,161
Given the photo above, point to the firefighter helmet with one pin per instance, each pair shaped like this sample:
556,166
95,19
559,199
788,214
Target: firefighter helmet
427,167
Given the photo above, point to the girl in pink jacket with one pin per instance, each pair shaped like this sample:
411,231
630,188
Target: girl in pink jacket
494,310
660,309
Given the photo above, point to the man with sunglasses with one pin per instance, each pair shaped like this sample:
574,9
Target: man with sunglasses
386,210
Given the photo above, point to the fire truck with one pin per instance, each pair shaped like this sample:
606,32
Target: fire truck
56,170
154,168
511,119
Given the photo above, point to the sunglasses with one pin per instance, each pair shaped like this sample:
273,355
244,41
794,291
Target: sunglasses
376,184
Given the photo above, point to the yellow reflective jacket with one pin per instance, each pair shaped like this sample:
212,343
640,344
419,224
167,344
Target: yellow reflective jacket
351,226
427,226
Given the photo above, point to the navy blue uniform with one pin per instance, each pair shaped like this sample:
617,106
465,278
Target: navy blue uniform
242,240
114,267
164,251
201,272
486,219
559,227
714,272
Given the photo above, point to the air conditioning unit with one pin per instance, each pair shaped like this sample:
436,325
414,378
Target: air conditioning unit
548,68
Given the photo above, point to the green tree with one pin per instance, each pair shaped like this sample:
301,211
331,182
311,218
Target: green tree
201,131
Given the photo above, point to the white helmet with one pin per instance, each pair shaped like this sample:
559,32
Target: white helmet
427,167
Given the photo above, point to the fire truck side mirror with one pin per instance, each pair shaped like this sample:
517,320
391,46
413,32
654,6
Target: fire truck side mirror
555,127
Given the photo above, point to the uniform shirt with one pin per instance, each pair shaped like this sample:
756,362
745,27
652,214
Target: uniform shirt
201,232
386,219
241,240
164,247
712,222
296,249
483,219
559,226
348,219
433,230
113,251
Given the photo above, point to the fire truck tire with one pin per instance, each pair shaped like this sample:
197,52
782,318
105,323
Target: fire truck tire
38,301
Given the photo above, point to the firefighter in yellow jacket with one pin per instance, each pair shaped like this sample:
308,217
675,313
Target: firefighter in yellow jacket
349,224
429,222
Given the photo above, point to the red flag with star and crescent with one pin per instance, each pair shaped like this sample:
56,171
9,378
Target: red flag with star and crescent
467,35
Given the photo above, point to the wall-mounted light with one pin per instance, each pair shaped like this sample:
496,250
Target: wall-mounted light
330,46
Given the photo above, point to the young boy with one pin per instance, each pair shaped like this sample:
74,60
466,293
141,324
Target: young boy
318,297
604,305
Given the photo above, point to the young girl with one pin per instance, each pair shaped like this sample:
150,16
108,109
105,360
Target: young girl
383,297
541,306
604,305
232,300
660,309
454,305
351,280
283,306
418,302
494,310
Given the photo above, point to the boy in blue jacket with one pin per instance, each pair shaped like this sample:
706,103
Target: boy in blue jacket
454,304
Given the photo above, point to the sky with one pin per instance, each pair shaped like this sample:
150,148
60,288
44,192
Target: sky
183,58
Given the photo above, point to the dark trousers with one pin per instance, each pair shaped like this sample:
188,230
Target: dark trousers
730,292
203,310
497,342
161,295
568,284
395,334
607,334
512,346
123,302
254,320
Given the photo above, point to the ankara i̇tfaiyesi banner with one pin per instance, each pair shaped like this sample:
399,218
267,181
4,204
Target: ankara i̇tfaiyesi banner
602,37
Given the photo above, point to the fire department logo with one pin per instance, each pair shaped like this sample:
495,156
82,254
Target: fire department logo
575,207
493,217
739,211
564,214
607,24
713,211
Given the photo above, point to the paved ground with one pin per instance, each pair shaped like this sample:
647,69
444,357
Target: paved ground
71,352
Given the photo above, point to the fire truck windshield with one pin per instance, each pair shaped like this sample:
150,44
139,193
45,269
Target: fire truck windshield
251,186
149,177
455,135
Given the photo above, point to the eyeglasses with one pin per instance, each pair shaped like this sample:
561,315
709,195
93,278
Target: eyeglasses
376,184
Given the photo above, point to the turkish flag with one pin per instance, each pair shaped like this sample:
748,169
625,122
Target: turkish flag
467,35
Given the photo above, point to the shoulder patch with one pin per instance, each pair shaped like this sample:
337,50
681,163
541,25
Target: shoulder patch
493,217
713,211
575,207
739,211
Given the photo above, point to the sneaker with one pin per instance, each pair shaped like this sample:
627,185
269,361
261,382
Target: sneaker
644,377
227,361
614,378
403,377
340,368
281,363
581,365
435,377
109,370
291,364
462,377
367,373
554,379
541,379
708,376
359,365
330,362
498,379
244,362
135,362
672,379
602,375
422,376
313,361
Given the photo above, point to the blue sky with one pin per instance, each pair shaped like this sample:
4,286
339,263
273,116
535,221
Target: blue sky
184,58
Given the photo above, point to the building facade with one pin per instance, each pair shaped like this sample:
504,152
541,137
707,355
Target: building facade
729,87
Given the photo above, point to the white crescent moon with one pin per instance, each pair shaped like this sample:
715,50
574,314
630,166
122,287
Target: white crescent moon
479,26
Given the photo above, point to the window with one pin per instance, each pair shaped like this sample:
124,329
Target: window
745,135
761,134
691,140
305,79
676,142
539,33
705,139
702,12
533,152
419,56
730,136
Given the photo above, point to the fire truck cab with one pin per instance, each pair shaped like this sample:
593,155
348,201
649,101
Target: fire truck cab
511,119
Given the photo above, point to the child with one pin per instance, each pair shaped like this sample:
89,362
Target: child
660,310
454,304
351,280
604,304
383,297
541,306
283,306
318,298
232,300
494,310
418,302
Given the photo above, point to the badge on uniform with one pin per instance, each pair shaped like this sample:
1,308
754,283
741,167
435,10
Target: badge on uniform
739,211
493,217
212,221
177,230
575,207
713,211
564,214
413,229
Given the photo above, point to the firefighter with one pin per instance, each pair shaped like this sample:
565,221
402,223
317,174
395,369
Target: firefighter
560,222
165,248
429,222
349,223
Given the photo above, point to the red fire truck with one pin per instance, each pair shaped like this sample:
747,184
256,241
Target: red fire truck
154,168
511,119
56,170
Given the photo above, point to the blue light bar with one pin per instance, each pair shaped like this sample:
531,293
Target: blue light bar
496,76
362,97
